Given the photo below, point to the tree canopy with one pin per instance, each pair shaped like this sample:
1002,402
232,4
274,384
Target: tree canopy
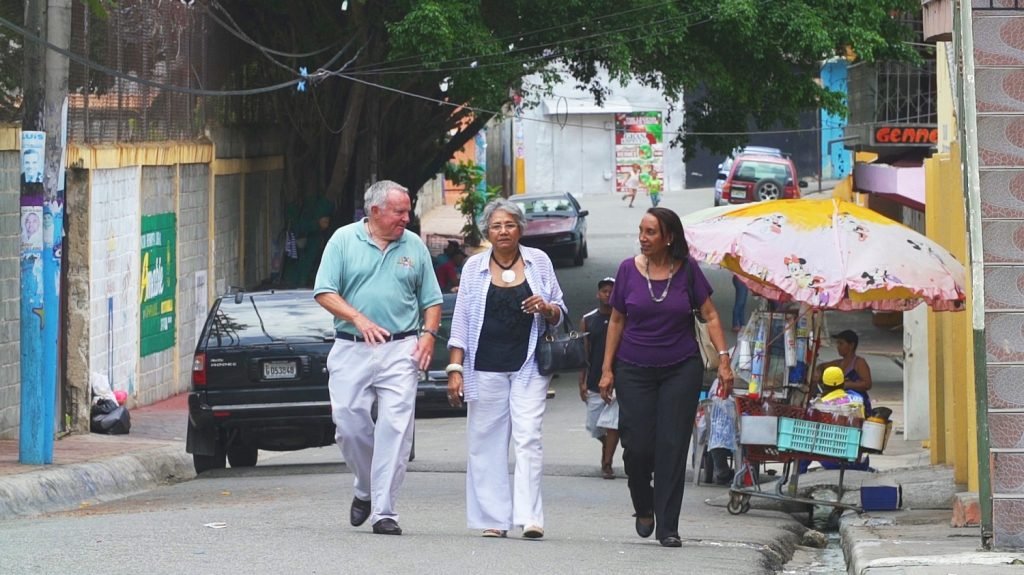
395,87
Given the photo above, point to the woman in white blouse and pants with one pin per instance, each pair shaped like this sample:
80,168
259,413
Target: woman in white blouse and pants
508,296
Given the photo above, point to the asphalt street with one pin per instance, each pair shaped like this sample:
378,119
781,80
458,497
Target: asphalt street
289,514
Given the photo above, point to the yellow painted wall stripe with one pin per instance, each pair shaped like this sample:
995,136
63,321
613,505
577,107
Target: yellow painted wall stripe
107,156
10,138
951,357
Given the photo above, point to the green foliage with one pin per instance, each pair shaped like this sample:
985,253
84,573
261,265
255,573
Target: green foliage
11,62
738,61
472,202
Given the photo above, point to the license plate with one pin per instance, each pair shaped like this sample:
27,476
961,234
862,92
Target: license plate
738,193
280,370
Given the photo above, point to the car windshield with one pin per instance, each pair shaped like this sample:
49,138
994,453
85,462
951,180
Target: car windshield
268,319
754,170
546,207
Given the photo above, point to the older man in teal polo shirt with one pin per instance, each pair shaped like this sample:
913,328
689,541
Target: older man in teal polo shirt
377,280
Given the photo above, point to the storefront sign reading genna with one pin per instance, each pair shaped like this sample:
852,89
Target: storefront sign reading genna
905,135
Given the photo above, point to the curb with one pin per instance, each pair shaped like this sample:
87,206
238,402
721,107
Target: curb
71,486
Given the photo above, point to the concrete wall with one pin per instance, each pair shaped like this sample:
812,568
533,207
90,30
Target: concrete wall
430,196
193,265
578,157
115,229
108,192
227,225
569,142
77,324
108,197
836,160
156,370
10,296
951,362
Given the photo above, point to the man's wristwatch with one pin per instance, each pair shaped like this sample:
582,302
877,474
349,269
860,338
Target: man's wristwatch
724,352
432,332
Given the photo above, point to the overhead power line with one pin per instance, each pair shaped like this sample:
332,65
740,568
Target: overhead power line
561,124
237,31
132,78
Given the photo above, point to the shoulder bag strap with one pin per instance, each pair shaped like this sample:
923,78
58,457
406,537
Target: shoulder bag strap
689,285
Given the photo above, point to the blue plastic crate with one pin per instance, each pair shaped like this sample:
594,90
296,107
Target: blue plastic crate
819,438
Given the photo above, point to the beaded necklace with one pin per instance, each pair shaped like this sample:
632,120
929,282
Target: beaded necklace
650,289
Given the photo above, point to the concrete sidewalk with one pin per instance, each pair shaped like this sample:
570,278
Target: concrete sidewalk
92,468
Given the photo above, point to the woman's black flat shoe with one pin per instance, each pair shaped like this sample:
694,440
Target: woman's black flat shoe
644,530
672,541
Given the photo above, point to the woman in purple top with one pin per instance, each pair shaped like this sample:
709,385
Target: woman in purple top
653,364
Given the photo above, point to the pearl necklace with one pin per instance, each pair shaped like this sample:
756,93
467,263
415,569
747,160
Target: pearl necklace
650,289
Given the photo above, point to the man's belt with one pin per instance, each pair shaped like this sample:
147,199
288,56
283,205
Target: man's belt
358,338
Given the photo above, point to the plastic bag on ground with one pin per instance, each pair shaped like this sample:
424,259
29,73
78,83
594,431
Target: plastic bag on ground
101,388
108,417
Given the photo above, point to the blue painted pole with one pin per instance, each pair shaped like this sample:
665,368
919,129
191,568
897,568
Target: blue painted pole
44,116
53,220
31,439
35,410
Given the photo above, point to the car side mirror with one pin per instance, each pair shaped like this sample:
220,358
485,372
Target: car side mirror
802,184
584,213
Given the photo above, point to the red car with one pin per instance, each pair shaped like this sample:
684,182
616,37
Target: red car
755,178
556,224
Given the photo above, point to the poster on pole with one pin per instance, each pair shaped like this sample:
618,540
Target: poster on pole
639,151
158,286
33,152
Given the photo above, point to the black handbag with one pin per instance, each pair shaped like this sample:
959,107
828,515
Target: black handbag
559,351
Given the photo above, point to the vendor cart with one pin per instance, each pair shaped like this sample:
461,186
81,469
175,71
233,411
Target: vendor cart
812,255
772,422
798,439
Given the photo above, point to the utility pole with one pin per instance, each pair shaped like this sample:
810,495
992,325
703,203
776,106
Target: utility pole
41,200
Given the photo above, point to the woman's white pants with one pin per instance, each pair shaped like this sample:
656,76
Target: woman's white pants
505,410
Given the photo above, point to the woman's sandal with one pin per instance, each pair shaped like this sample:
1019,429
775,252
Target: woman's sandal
533,532
606,471
495,533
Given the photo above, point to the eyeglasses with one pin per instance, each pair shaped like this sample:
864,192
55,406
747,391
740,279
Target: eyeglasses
505,227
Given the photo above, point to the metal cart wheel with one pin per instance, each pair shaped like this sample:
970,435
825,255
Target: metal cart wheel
738,503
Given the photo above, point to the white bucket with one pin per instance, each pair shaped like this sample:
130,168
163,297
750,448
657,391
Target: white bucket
873,436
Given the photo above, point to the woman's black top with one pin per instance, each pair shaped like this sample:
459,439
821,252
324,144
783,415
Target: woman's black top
505,335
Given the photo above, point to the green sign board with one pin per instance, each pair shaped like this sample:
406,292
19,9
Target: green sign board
158,283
